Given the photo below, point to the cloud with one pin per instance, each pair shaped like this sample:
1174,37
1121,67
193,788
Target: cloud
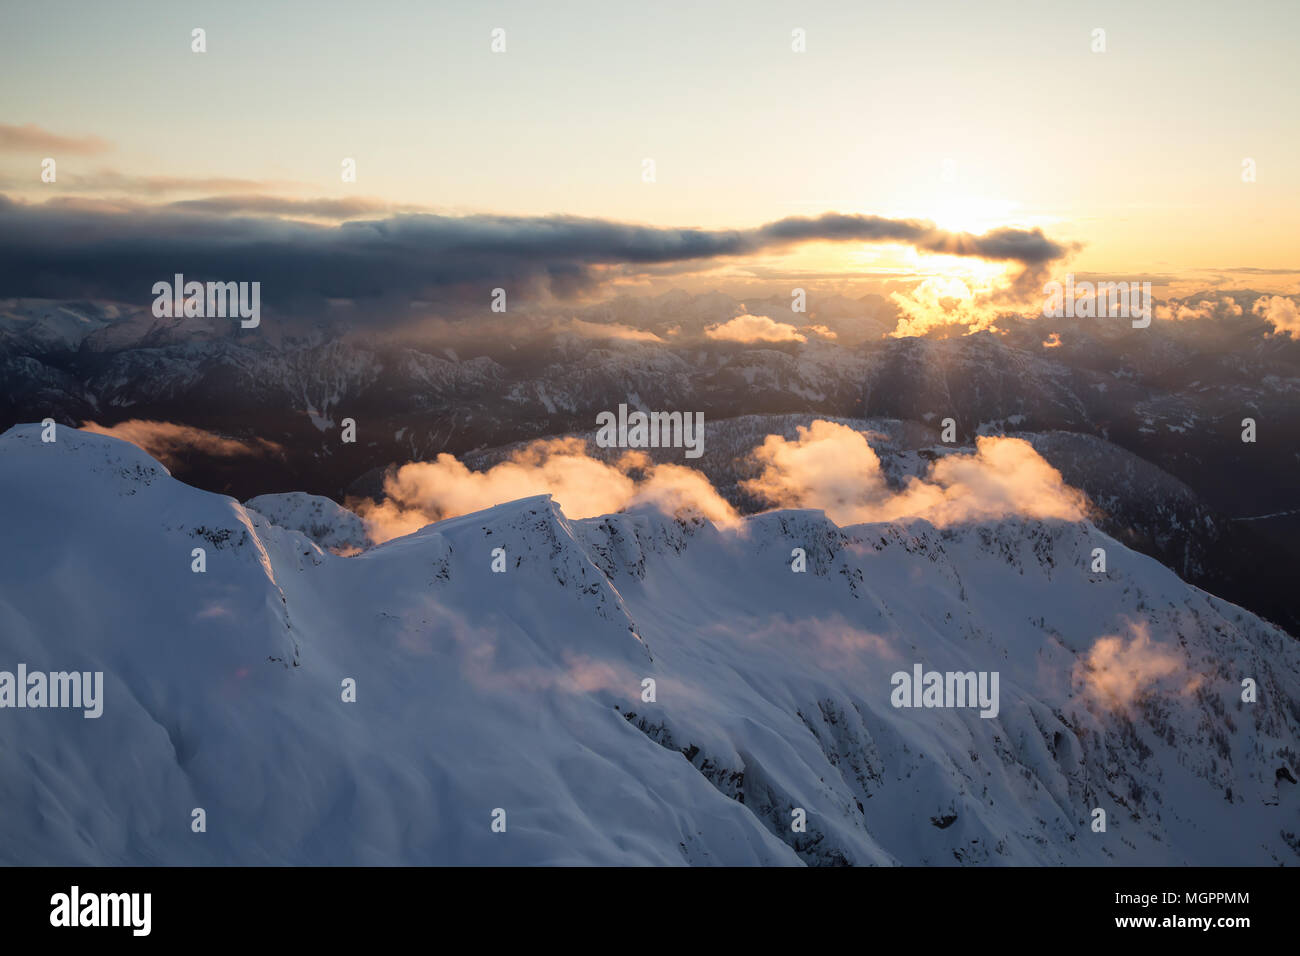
1210,307
609,330
31,138
829,466
832,467
754,328
67,251
677,488
438,628
1281,311
1116,672
111,181
833,642
169,442
350,207
942,302
1029,247
422,492
1053,341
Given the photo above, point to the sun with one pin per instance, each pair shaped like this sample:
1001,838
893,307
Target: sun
971,213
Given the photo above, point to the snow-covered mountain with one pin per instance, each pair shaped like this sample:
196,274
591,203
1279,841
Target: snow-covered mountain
327,523
523,690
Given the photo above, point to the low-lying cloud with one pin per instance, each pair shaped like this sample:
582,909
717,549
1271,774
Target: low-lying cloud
1281,312
170,442
422,492
754,328
938,303
829,466
832,467
1116,672
609,330
1208,307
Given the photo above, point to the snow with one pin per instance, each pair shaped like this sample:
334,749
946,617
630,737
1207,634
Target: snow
320,422
522,690
54,325
327,523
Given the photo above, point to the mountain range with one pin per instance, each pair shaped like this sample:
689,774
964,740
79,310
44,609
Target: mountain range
1148,422
512,686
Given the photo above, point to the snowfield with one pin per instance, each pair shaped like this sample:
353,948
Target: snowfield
522,691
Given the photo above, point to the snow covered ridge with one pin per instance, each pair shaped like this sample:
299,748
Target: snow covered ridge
630,689
326,522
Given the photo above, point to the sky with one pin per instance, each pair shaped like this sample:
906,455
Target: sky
972,116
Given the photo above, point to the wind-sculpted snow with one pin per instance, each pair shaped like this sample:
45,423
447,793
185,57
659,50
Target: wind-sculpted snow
331,526
523,689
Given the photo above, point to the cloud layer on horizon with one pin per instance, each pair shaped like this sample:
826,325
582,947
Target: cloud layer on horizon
76,249
30,138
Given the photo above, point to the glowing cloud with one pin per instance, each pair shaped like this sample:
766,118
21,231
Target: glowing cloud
1221,307
1116,672
1281,311
832,467
958,305
754,328
168,442
829,466
422,492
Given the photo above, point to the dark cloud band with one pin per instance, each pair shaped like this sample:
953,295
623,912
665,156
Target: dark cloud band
75,249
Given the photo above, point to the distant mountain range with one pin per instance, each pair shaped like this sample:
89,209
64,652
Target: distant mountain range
1147,421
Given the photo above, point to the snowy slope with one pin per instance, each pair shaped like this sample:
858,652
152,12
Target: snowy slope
522,690
45,326
326,522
